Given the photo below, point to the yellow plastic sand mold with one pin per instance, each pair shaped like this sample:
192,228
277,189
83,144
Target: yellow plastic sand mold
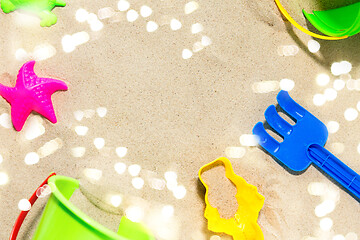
243,226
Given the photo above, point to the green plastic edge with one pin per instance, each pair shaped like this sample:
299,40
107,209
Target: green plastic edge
329,30
86,220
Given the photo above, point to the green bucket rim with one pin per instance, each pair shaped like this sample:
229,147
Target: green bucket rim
80,215
323,26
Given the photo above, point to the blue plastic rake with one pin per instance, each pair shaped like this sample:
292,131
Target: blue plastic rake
303,143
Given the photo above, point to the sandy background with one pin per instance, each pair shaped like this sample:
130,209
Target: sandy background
175,115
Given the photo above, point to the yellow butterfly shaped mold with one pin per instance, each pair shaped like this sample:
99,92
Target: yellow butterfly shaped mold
243,226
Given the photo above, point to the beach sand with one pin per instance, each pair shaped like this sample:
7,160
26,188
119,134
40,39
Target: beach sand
169,116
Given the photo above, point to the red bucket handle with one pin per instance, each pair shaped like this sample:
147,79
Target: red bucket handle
23,214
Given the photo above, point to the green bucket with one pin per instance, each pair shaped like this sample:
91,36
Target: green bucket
338,22
62,220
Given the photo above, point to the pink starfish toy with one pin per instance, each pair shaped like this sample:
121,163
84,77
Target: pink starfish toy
31,93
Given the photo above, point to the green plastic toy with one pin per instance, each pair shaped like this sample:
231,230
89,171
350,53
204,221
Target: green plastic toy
42,8
62,220
339,22
336,23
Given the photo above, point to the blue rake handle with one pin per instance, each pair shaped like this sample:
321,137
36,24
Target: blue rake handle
335,168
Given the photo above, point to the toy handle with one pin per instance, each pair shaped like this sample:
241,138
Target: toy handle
23,214
335,168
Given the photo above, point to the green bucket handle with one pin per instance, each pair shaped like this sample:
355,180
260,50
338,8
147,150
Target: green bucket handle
19,221
61,217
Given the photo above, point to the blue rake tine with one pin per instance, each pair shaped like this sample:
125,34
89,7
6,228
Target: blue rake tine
290,106
303,144
265,140
276,122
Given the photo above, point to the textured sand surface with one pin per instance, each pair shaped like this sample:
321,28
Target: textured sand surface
173,115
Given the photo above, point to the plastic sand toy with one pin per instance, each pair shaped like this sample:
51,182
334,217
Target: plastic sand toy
42,8
243,226
62,220
303,143
337,23
31,93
